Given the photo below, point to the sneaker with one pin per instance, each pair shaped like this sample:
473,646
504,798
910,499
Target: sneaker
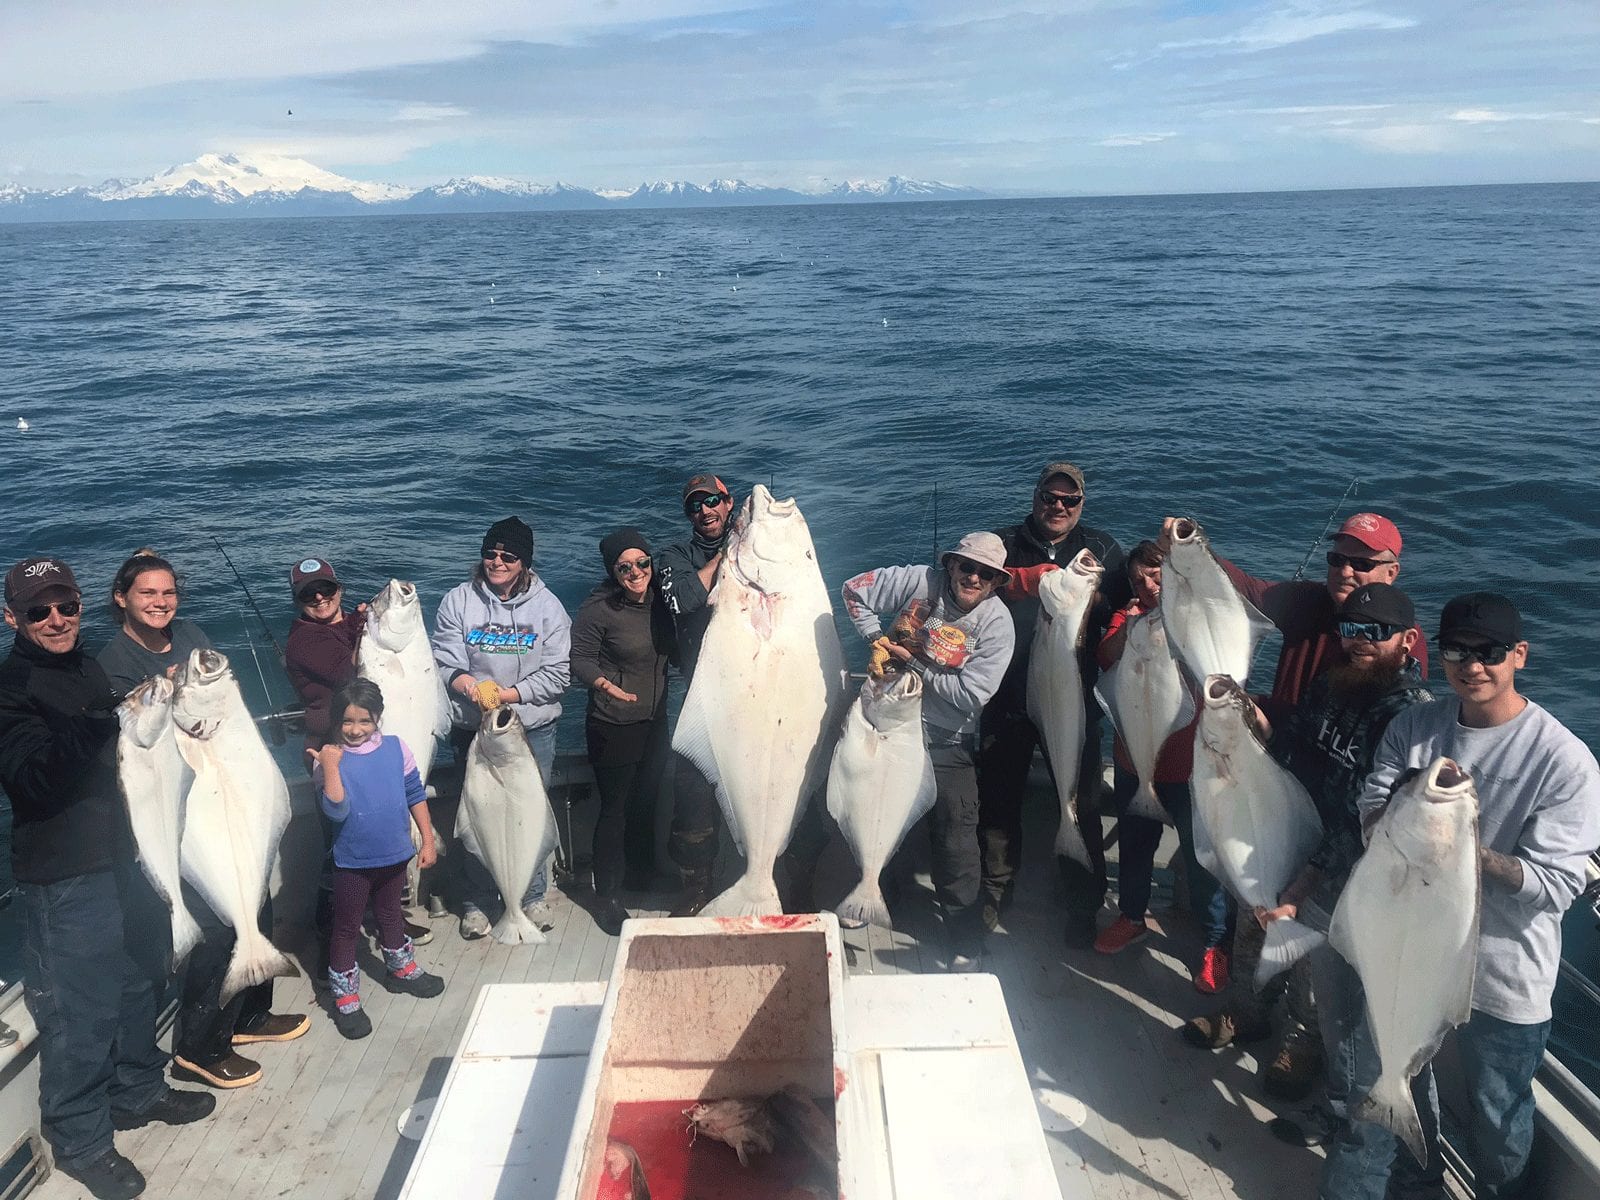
539,913
234,1071
1295,1069
1314,1126
420,935
1221,1029
274,1027
609,916
107,1176
1120,934
474,924
1213,974
354,1024
417,983
436,909
991,915
177,1107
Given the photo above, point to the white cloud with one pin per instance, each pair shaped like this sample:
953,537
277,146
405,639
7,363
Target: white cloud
1415,138
1286,27
1135,139
1491,116
431,112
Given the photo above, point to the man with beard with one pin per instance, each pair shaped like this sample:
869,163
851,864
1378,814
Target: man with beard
1329,741
684,574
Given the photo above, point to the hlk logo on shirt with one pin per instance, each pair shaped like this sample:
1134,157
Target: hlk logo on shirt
502,639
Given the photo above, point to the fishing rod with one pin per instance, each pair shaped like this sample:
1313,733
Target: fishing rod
1321,537
245,588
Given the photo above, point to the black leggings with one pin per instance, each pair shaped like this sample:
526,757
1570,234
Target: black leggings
627,761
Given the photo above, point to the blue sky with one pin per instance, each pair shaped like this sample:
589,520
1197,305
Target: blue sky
1050,96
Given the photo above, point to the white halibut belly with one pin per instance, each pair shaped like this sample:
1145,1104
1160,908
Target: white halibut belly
155,783
1055,705
1146,697
508,825
1213,629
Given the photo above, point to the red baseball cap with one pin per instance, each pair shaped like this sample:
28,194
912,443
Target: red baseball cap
1373,532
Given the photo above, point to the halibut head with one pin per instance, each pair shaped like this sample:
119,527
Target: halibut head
1055,685
1407,922
237,810
1213,629
768,690
505,817
155,787
880,784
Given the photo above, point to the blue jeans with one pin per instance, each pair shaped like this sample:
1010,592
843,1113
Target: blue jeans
1139,837
93,972
1498,1059
480,886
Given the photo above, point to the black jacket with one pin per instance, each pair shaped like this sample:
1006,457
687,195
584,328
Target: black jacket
58,764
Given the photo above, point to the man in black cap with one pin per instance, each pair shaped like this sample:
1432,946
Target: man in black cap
92,973
1328,741
684,574
1538,818
1050,537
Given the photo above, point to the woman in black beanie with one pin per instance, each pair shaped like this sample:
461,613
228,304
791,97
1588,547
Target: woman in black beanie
621,641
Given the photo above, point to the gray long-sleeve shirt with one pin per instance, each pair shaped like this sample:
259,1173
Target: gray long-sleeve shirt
1538,801
961,656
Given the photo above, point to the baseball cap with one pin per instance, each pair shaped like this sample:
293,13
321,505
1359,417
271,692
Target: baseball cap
1382,602
707,483
33,576
985,549
1373,532
311,570
1481,614
1059,468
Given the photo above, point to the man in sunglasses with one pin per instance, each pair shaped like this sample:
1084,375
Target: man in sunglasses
1538,817
1050,537
92,976
1329,741
684,574
951,629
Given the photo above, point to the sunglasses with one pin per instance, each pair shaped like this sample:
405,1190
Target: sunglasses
1373,631
706,500
1059,500
965,566
41,612
641,565
1490,656
504,556
316,595
1340,561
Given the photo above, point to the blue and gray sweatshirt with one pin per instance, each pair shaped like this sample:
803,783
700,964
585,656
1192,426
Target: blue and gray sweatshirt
524,643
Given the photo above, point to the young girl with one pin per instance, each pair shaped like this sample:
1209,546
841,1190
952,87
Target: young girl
368,781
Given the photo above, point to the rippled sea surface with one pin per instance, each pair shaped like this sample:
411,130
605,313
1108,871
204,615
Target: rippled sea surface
379,390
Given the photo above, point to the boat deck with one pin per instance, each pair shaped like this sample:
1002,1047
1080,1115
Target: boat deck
1138,1114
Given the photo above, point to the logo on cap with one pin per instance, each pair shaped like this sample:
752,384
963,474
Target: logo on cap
34,570
310,564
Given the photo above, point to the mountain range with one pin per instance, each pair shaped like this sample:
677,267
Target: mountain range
260,185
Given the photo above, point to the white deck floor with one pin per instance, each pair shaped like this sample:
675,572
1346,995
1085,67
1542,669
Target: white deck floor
1161,1120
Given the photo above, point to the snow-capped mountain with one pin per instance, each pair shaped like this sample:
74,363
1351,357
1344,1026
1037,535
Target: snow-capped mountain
222,185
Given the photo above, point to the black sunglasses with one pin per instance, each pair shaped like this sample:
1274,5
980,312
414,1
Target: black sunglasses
1490,656
1373,631
504,556
705,500
316,595
41,612
625,567
1355,563
965,566
1059,500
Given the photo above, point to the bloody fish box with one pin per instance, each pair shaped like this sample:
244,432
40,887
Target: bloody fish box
701,1011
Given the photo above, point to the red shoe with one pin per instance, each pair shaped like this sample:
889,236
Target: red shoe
1120,934
1213,974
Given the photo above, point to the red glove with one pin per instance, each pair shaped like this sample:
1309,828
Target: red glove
1025,581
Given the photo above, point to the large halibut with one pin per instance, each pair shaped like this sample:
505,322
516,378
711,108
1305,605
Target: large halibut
1055,686
237,810
881,783
768,691
1214,630
1407,921
505,817
155,787
1148,700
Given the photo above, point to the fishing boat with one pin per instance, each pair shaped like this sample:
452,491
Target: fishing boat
1121,1106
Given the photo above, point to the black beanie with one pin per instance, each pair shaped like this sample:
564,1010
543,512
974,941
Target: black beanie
511,534
614,543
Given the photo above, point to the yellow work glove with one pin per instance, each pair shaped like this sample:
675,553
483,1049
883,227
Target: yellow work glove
879,658
487,694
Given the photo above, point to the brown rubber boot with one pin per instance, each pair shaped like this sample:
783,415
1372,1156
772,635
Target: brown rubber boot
1223,1029
696,894
1295,1069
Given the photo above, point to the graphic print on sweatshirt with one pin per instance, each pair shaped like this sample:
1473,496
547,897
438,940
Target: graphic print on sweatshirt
501,639
942,644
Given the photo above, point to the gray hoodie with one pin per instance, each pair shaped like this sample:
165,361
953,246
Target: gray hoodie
962,655
524,642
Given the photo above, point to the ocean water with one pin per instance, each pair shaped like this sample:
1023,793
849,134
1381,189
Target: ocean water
378,390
